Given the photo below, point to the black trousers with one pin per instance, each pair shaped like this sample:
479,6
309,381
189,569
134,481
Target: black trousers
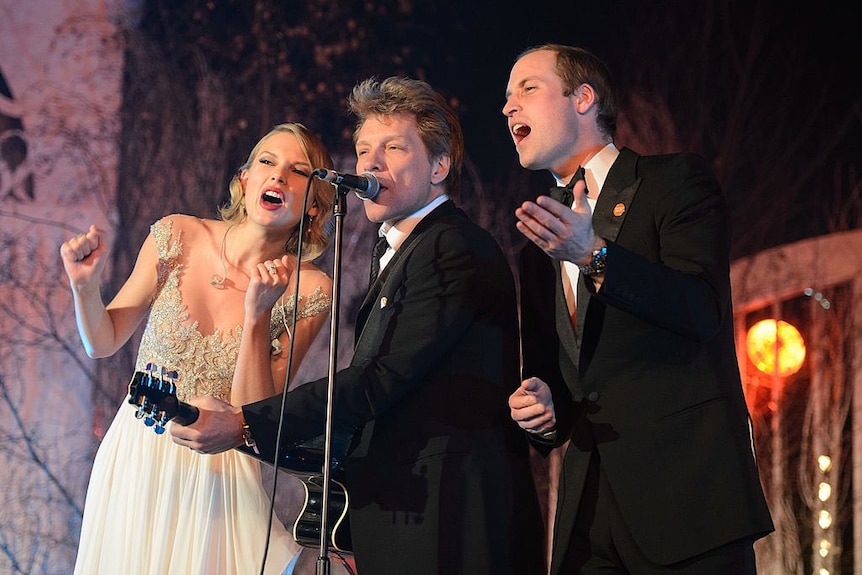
601,542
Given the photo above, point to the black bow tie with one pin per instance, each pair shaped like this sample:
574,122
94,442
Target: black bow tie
563,194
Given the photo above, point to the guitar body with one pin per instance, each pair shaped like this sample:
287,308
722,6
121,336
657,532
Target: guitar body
306,528
154,393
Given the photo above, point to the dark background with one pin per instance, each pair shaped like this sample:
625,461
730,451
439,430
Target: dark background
769,94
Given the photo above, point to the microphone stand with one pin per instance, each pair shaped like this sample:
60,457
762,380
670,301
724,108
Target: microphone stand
339,209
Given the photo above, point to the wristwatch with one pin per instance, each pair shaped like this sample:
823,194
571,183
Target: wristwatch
545,436
247,439
597,262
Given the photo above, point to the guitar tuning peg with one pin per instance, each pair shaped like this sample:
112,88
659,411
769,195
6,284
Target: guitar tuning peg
154,393
172,378
161,423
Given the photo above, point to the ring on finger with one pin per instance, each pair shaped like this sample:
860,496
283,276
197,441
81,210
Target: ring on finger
270,267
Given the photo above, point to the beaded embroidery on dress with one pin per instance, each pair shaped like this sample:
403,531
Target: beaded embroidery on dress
154,507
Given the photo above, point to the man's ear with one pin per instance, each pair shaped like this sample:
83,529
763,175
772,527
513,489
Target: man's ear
585,98
441,169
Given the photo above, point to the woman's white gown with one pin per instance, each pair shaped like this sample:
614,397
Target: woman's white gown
155,508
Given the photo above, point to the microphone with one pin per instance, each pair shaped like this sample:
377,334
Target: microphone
365,186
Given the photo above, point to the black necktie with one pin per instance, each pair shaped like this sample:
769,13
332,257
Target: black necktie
379,249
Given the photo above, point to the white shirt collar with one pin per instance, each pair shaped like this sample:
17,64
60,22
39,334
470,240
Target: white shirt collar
596,169
396,233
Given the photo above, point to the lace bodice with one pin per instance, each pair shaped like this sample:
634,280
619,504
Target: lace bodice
205,363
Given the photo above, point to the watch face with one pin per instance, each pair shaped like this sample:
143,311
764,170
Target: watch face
597,264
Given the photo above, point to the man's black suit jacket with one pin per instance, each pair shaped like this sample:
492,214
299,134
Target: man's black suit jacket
440,481
650,379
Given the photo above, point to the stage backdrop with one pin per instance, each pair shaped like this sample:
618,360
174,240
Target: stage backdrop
61,65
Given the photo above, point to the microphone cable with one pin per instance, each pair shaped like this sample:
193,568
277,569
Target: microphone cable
278,438
290,338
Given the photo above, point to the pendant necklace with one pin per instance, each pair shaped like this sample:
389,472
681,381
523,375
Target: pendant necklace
217,281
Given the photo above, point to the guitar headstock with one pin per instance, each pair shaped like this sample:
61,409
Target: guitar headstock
154,392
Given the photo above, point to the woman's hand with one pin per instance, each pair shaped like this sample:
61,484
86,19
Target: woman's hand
84,257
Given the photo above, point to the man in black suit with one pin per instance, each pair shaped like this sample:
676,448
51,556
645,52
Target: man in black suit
440,480
627,336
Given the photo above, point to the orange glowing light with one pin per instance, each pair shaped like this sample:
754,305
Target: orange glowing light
768,336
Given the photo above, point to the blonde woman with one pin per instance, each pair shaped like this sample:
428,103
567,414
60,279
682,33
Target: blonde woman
217,297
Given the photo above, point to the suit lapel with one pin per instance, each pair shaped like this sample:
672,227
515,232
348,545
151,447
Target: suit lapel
565,329
382,285
609,215
616,196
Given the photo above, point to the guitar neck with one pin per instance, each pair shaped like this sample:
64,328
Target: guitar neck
154,393
186,414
